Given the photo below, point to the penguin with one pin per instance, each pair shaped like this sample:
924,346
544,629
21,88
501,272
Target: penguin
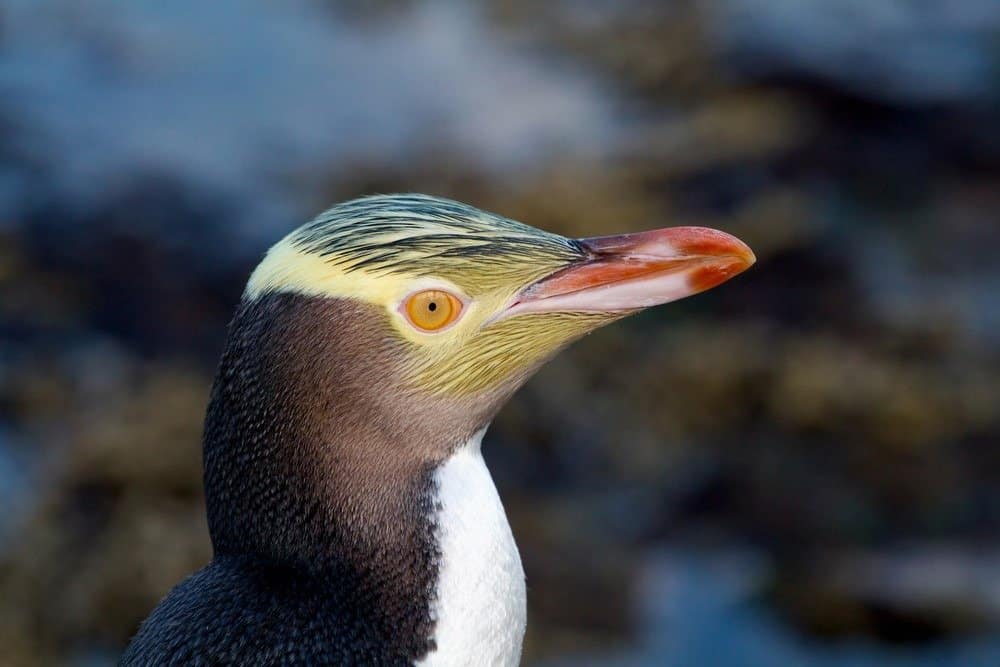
352,517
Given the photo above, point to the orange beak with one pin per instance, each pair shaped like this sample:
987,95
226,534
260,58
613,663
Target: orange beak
633,271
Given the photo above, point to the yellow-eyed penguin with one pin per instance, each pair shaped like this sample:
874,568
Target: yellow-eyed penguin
353,519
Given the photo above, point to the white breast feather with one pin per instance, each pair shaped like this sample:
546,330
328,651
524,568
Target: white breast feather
481,604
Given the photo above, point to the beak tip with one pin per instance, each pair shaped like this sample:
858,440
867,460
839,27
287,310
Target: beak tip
710,275
714,243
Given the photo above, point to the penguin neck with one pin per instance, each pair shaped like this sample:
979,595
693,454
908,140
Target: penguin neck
317,464
320,463
311,445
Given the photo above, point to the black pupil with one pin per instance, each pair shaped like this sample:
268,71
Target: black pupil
432,306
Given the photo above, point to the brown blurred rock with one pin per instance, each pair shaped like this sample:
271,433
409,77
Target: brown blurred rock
581,593
120,522
909,595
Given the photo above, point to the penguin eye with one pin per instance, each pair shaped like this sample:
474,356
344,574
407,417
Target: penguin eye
432,310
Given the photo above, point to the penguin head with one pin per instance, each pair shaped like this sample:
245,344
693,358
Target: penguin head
472,303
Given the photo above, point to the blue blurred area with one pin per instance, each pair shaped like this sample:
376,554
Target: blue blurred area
700,611
802,467
910,53
238,96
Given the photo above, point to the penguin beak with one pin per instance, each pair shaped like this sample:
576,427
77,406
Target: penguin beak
634,271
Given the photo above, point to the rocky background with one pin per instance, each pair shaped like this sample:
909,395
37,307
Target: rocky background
801,467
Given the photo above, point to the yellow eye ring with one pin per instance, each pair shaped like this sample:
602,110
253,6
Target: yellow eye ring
431,309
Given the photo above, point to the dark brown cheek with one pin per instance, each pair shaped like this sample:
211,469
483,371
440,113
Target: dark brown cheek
716,273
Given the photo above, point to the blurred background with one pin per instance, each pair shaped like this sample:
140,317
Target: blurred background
801,467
